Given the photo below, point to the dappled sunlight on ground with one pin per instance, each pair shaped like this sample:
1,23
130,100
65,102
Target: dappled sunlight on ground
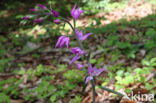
134,10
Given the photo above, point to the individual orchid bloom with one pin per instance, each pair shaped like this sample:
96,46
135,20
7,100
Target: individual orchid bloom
78,53
55,14
79,66
80,35
93,72
62,41
76,12
38,20
57,21
42,6
26,17
33,9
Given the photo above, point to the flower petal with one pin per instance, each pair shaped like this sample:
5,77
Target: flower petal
79,66
75,50
81,11
74,59
79,34
57,21
67,42
99,71
88,79
55,14
72,11
83,52
59,40
90,69
62,42
76,12
86,36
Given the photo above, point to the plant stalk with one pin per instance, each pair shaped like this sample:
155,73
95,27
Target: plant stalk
88,59
93,90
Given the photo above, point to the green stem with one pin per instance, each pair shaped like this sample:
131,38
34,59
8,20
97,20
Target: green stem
74,22
84,85
78,41
93,90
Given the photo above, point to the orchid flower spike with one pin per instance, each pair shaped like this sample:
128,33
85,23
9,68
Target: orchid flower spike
93,72
76,12
80,35
62,41
78,53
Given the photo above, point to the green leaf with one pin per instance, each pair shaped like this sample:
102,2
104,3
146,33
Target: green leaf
145,62
120,72
92,61
153,60
149,86
4,98
149,44
53,98
128,91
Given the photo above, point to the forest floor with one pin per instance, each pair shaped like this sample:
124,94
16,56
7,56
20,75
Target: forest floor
36,72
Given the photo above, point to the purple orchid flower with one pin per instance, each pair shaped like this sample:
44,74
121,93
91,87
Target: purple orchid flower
33,9
57,21
38,20
62,41
79,66
42,6
26,17
80,35
76,12
78,53
93,72
55,14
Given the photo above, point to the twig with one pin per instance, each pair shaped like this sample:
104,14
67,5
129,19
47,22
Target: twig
13,62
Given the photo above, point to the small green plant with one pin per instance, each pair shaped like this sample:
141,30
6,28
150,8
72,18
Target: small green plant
77,99
4,98
123,79
150,43
74,75
112,40
44,89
